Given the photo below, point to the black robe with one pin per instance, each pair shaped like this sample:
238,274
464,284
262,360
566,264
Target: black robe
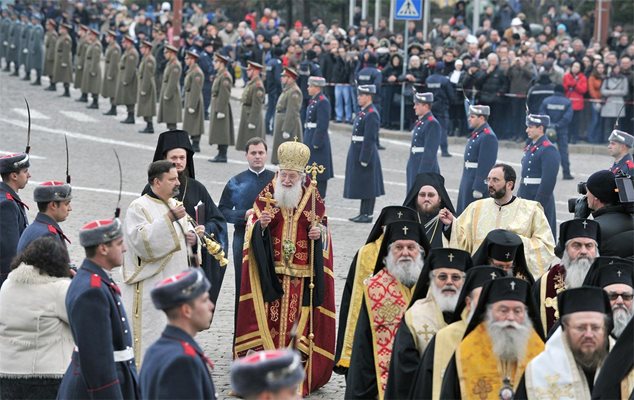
450,381
343,314
423,381
433,235
194,192
361,377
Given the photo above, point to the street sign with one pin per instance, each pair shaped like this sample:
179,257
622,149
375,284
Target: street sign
408,10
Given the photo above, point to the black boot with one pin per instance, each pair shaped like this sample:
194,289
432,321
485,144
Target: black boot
66,91
52,87
196,144
27,77
222,155
83,98
38,81
112,111
130,119
15,72
95,103
149,128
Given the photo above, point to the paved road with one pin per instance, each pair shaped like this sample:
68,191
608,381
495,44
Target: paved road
92,137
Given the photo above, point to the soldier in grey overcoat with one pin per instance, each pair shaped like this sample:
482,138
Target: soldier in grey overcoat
146,95
35,59
111,71
193,118
287,123
14,44
23,51
5,23
251,118
50,40
127,84
80,58
158,51
62,71
91,80
220,116
7,37
170,106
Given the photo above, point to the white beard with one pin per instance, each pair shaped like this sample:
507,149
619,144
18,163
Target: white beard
287,197
445,299
576,270
406,269
621,316
509,338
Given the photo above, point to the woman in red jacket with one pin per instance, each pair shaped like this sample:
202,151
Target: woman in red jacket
576,86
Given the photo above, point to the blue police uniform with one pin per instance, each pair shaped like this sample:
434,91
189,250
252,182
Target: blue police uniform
559,108
13,223
479,157
625,165
102,365
206,65
43,225
539,175
424,149
364,182
317,139
273,86
306,69
175,367
441,87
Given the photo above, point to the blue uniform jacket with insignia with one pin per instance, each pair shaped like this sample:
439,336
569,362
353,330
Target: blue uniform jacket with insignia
559,108
101,332
175,367
364,182
316,135
479,156
273,81
540,165
423,153
371,76
625,165
43,225
13,222
443,92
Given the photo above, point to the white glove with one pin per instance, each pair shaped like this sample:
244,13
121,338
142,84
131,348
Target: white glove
477,195
364,164
191,110
251,126
143,93
286,135
25,51
220,115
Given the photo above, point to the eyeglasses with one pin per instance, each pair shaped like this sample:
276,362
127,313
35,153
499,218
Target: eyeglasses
443,277
625,296
581,329
493,180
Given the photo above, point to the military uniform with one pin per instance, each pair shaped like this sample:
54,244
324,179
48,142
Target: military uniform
559,108
80,56
273,86
440,86
364,177
42,225
288,124
23,55
5,25
306,69
14,45
35,60
175,366
91,77
426,137
158,47
127,84
170,109
62,72
251,120
194,116
13,217
626,164
480,155
220,117
207,66
146,96
316,137
50,41
110,73
539,173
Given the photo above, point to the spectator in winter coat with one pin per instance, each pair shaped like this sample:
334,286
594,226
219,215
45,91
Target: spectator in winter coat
520,75
594,90
492,88
613,89
390,87
575,86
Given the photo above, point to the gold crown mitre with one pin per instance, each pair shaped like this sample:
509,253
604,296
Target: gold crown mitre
293,156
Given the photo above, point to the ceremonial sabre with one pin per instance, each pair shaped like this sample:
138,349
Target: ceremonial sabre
117,210
28,129
313,170
67,159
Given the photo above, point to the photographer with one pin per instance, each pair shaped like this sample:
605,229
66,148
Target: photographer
617,225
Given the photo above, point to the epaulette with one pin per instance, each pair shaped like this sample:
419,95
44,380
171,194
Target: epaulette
486,131
9,197
95,280
430,118
629,163
547,143
51,229
188,349
371,109
321,97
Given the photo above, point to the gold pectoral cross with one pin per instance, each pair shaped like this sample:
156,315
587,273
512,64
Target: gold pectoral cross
426,332
268,199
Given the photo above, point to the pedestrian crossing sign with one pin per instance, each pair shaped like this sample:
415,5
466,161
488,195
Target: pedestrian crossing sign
408,10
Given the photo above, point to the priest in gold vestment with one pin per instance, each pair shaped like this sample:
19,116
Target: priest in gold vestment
503,210
287,285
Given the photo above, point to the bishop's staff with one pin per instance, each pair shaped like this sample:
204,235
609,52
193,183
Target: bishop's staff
313,170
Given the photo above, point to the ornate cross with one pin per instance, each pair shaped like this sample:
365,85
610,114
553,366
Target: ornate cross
426,332
450,257
618,273
400,214
512,285
268,199
508,255
405,229
585,224
493,275
482,388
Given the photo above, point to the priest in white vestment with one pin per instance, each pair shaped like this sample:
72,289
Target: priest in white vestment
157,236
502,210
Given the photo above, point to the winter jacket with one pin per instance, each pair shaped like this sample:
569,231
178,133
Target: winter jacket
613,89
575,88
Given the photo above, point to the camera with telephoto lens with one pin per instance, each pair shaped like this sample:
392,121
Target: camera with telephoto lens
625,188
579,206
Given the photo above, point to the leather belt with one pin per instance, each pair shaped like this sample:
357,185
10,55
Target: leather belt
531,181
310,125
357,138
470,165
417,150
120,355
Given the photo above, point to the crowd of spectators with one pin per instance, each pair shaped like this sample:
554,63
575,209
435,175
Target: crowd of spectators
508,62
